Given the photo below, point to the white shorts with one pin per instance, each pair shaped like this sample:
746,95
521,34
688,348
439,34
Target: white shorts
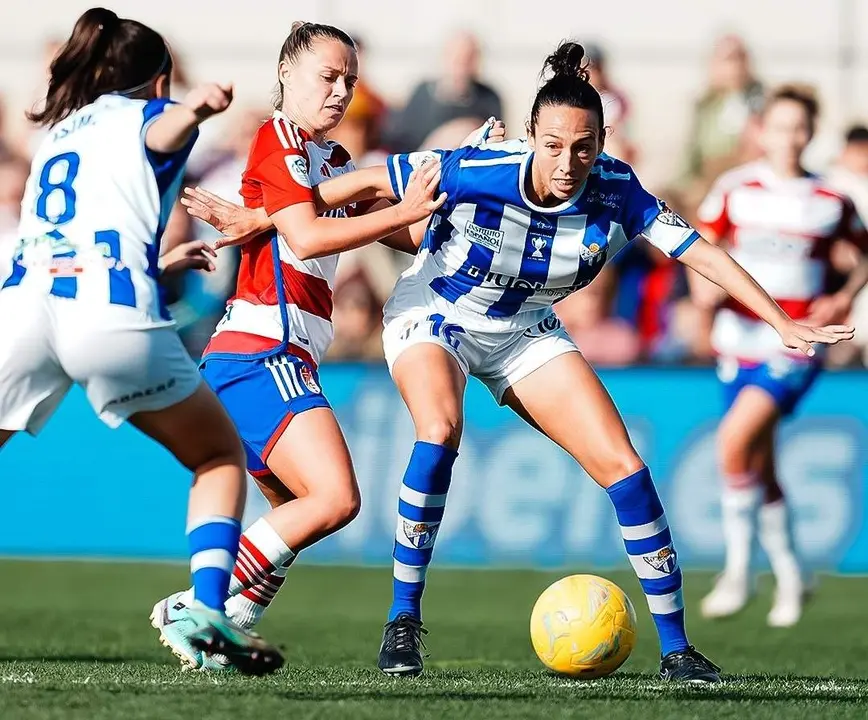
498,358
49,343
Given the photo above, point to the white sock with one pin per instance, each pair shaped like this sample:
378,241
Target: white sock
776,538
740,506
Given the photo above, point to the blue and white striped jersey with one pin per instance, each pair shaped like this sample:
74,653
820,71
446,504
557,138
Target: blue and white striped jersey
492,252
95,206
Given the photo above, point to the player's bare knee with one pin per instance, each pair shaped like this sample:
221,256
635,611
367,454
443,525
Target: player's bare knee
339,508
441,431
733,452
614,466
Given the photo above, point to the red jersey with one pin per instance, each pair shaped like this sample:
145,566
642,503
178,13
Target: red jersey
781,231
282,303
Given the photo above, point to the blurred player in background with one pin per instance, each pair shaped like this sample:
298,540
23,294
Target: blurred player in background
82,303
780,222
262,359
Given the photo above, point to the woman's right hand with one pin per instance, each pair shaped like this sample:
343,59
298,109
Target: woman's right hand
209,99
237,223
421,197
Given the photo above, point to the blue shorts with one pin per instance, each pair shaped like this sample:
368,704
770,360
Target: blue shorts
786,380
261,396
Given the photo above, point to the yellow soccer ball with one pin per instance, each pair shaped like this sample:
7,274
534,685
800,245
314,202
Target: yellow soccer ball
583,626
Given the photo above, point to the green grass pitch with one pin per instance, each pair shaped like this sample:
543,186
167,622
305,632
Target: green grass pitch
75,643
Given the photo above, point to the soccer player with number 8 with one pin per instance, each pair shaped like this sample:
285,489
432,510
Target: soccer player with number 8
81,302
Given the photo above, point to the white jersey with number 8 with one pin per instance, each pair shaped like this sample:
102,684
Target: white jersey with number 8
95,206
79,297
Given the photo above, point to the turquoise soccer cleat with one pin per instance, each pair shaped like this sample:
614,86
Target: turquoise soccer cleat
215,634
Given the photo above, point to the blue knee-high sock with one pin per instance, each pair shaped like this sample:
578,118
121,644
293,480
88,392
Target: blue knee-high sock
420,510
213,549
652,554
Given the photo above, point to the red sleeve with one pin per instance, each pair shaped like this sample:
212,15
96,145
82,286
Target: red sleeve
713,213
283,180
852,228
277,170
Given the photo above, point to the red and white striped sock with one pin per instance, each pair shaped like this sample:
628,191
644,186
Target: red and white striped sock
260,570
263,559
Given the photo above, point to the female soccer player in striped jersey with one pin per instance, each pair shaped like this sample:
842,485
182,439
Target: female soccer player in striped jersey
81,302
262,359
524,224
781,223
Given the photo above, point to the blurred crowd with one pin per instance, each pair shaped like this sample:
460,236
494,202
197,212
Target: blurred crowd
637,311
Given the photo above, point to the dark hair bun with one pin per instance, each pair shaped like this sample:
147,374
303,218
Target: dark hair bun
568,61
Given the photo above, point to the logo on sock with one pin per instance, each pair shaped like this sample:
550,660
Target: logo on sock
420,534
663,560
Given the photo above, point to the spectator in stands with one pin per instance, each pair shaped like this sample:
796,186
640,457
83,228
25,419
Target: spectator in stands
723,128
586,316
13,176
616,109
7,152
357,317
456,93
850,176
850,172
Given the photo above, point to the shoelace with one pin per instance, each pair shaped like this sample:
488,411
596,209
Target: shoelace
406,634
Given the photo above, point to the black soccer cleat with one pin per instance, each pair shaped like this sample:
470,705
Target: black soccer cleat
401,651
690,666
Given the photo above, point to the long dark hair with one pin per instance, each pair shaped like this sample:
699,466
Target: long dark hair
300,39
569,83
103,54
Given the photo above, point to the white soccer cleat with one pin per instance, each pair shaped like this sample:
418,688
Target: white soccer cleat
169,618
788,605
729,596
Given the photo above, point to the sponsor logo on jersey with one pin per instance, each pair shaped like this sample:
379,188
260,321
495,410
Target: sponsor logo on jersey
147,392
492,239
508,282
544,327
669,217
663,561
610,200
420,534
298,169
309,380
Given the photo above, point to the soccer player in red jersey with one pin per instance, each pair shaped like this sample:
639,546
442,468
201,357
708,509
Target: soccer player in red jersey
780,222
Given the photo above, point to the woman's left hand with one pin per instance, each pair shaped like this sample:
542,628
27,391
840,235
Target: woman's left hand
237,223
193,255
802,337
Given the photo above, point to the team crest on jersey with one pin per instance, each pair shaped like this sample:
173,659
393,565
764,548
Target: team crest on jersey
669,217
663,561
298,169
492,239
309,380
592,253
420,534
